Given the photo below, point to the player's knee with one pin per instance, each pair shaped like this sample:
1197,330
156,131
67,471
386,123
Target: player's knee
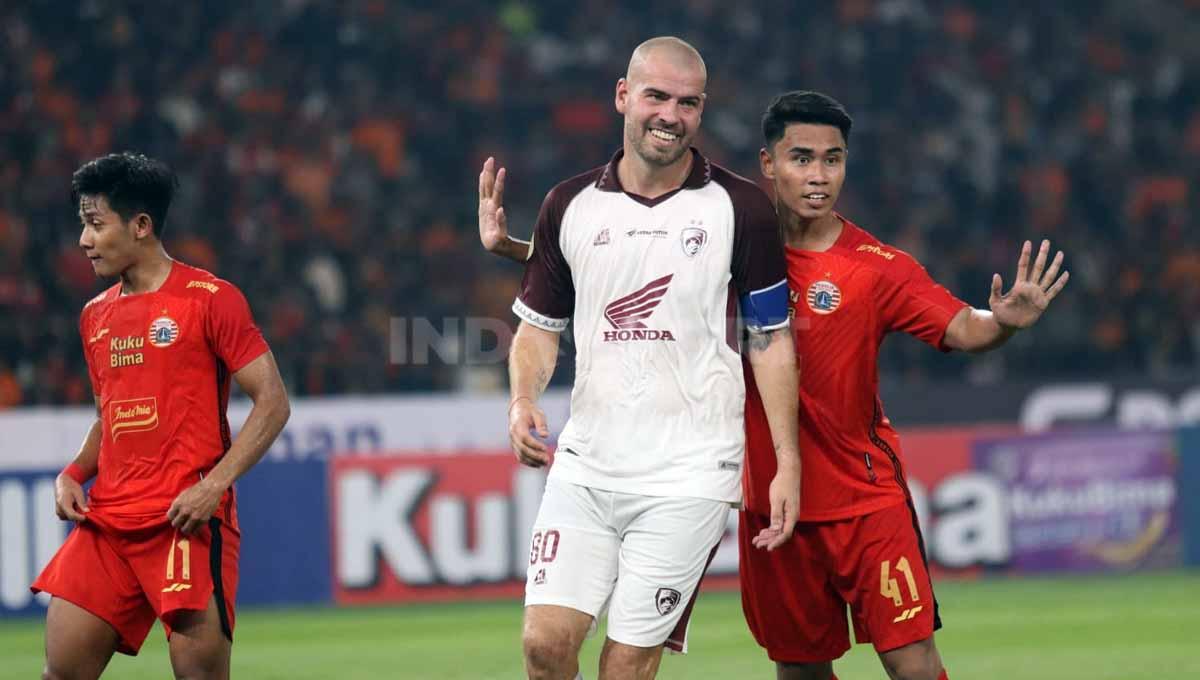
54,671
199,664
917,665
199,670
914,672
803,671
547,650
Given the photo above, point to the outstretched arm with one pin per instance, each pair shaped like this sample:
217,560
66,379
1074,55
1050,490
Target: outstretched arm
493,224
977,330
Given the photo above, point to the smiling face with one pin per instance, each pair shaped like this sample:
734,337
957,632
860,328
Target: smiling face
662,99
110,242
808,167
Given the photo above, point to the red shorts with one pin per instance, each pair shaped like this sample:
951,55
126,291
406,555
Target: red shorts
795,597
131,578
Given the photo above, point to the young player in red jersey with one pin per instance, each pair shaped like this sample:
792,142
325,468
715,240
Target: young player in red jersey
157,535
857,542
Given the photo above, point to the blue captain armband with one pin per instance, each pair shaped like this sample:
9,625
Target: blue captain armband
766,309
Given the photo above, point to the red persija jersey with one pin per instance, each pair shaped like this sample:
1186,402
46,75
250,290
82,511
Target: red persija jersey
844,301
161,363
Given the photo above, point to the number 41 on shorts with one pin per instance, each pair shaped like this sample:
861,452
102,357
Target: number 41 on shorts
889,587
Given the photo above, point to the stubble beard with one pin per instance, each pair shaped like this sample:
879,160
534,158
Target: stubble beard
642,146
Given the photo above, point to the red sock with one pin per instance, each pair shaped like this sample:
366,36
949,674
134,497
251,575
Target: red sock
943,676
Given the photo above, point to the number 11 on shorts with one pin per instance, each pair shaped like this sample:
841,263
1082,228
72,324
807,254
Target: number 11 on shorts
185,548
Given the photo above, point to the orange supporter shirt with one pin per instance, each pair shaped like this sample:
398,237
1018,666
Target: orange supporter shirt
844,302
161,363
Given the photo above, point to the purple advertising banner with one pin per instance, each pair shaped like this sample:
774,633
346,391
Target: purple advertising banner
1086,501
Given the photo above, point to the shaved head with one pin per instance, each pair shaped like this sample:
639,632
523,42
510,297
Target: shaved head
667,50
662,99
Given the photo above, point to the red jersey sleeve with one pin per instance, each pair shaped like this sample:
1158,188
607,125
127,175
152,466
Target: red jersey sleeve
85,337
232,334
920,306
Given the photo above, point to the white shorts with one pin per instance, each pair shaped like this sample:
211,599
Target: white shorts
639,557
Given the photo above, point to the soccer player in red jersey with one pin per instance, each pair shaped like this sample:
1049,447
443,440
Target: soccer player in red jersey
157,535
858,542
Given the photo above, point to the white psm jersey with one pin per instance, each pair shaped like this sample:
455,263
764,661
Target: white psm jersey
654,287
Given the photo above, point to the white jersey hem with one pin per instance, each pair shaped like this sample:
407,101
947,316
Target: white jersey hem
721,492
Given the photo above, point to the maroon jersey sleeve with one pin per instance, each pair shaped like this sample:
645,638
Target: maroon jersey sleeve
758,268
758,261
920,306
232,334
547,296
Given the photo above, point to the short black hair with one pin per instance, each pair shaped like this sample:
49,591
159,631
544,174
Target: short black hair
803,106
132,184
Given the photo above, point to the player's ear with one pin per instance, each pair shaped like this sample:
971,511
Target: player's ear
621,96
143,226
766,163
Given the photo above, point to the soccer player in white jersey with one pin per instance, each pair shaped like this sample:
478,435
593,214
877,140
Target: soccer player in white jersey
651,255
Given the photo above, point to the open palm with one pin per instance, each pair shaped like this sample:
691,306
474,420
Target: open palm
1032,292
493,225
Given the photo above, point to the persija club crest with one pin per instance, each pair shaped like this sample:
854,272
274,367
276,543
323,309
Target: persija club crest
824,297
163,332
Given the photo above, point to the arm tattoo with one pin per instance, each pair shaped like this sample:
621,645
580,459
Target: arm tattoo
761,340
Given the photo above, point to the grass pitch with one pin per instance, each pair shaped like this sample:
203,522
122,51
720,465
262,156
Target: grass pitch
1095,628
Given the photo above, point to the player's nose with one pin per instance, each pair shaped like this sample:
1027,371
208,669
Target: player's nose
668,115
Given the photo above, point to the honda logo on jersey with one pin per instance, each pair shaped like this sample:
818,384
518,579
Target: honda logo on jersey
626,314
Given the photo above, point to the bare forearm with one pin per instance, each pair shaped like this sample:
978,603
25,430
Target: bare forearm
513,249
263,425
976,330
773,360
88,457
531,361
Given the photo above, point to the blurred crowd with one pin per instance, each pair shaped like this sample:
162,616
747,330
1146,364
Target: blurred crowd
328,155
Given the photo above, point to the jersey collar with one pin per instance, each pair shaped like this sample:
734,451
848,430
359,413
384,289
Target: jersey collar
700,175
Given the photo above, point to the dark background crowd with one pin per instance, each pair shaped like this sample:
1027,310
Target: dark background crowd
328,155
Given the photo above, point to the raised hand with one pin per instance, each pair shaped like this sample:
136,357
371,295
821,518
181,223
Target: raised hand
1032,292
493,225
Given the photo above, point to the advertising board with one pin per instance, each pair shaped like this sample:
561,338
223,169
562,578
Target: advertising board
1087,501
